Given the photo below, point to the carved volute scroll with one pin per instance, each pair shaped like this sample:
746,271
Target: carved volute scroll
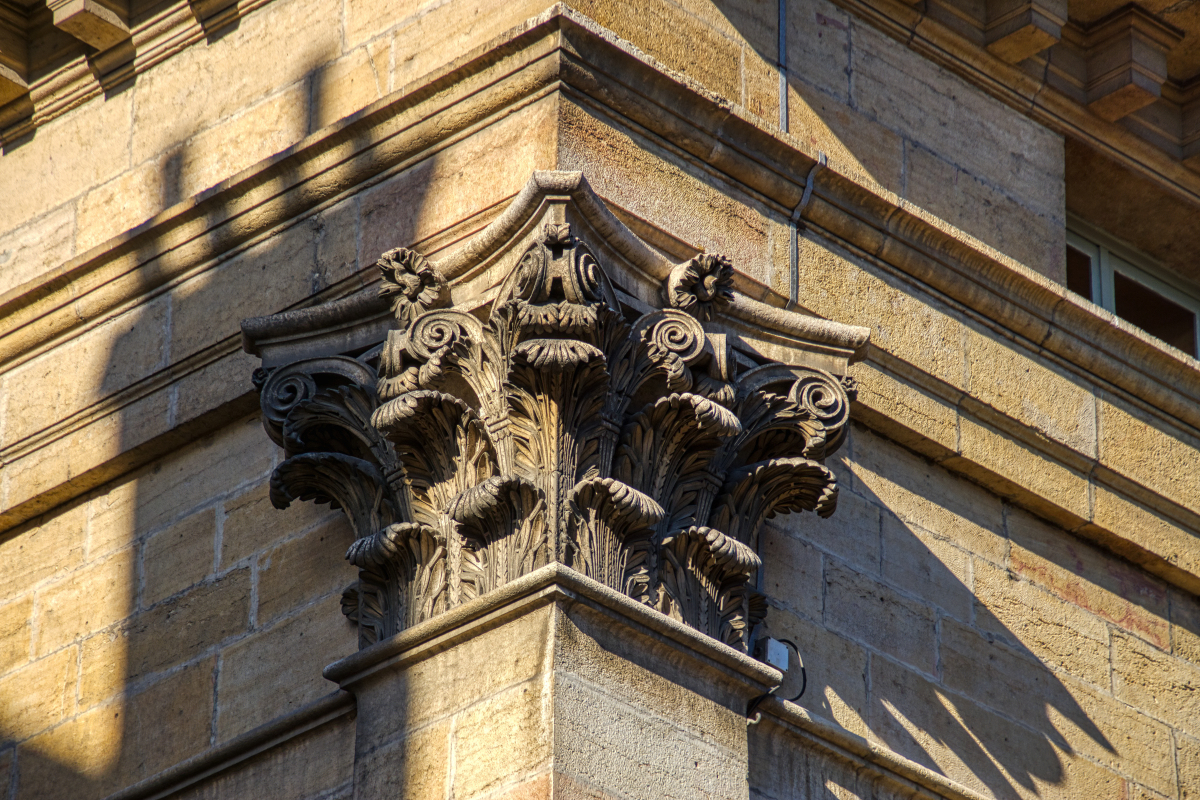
555,424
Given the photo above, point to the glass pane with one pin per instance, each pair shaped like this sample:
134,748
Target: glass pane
1154,314
1079,273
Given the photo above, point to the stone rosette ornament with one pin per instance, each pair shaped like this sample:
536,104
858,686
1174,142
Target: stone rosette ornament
555,424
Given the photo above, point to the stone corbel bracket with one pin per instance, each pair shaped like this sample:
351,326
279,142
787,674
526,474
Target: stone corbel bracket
14,55
555,391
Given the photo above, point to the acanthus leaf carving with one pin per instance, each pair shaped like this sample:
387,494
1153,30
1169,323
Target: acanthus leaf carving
556,425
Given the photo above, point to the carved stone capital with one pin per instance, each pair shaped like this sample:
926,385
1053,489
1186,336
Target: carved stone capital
559,421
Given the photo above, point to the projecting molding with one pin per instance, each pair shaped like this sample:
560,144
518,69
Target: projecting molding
554,392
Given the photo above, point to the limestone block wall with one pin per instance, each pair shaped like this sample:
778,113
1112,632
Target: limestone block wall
977,639
966,608
168,613
212,110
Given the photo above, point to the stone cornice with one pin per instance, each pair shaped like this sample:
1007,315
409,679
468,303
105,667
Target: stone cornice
561,52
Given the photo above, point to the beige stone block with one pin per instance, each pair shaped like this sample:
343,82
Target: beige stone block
818,44
930,107
597,739
125,202
215,385
36,247
1037,623
539,788
178,557
434,688
1088,577
348,84
16,632
1065,710
202,86
856,146
635,671
427,198
271,276
760,90
1012,380
160,493
81,159
851,534
906,324
930,567
1165,687
103,361
1025,472
676,39
792,573
1116,513
252,524
929,496
89,599
836,670
1185,625
45,547
703,212
1149,451
416,767
968,743
230,146
39,695
314,764
305,568
174,632
908,415
958,200
123,742
875,615
279,669
1188,759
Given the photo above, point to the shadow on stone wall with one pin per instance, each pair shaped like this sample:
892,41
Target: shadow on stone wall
155,622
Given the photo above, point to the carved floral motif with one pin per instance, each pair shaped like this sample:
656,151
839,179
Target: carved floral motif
561,429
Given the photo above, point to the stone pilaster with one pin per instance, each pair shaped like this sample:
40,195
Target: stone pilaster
553,686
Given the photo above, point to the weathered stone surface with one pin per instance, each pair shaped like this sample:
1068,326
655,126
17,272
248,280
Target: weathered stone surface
1149,450
836,671
30,250
109,358
792,573
204,85
1040,624
88,160
46,547
875,615
16,632
416,766
1091,579
852,534
89,599
1185,625
929,496
1163,686
818,46
124,202
252,524
1006,376
279,669
517,717
121,743
176,631
178,557
314,764
40,694
302,569
926,566
1188,759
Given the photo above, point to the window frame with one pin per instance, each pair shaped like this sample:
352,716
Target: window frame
1108,255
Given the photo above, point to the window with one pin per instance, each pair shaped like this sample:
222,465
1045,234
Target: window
1131,286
